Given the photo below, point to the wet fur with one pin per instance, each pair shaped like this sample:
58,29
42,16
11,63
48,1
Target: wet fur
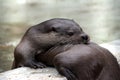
63,44
82,62
41,37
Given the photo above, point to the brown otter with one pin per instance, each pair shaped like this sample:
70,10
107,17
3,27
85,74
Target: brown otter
59,43
82,62
40,38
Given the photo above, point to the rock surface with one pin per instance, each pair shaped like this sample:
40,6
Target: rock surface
25,73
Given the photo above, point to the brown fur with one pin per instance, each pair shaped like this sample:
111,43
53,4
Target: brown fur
63,44
82,62
40,38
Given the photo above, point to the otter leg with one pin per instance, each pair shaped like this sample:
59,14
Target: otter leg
24,55
67,73
63,70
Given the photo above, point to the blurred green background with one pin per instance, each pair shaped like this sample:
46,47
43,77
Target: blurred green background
99,18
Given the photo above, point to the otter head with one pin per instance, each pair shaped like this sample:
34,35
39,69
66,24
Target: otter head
57,31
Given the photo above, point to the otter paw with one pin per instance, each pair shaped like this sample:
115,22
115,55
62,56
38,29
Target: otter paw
32,64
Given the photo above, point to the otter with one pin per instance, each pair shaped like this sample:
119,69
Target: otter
82,62
63,44
40,38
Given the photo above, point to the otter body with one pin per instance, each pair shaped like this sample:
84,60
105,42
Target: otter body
83,62
40,38
63,44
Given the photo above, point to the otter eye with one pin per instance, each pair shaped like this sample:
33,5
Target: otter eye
70,33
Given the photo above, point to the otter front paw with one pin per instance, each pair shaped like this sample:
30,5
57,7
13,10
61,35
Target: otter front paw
32,64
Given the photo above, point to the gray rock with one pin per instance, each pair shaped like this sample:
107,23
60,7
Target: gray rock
25,73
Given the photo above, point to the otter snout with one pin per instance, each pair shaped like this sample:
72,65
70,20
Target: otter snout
85,38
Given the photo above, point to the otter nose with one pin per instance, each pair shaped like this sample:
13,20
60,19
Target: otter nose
84,37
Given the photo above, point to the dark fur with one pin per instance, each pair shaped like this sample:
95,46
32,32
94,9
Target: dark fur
63,44
82,62
40,38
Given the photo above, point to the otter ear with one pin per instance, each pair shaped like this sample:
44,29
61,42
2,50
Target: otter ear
53,29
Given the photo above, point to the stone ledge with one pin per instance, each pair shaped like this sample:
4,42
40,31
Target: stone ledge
25,73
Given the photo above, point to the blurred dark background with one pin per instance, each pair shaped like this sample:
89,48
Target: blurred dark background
99,18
